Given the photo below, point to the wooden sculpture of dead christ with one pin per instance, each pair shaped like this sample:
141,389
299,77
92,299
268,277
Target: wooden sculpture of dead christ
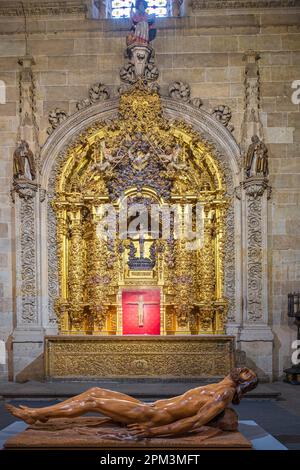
179,415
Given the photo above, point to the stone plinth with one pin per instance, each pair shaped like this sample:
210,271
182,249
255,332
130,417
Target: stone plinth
93,432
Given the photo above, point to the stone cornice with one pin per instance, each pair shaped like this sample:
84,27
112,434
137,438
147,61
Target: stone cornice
38,8
238,4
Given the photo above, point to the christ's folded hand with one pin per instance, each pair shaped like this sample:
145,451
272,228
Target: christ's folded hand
139,430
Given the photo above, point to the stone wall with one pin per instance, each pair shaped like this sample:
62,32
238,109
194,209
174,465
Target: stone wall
204,49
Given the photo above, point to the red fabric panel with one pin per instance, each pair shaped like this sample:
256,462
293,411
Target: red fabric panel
150,300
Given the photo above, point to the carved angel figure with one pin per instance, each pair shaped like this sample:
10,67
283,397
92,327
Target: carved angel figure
173,160
24,165
106,159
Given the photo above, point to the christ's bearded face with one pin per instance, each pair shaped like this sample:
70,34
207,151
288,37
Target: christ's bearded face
246,375
245,380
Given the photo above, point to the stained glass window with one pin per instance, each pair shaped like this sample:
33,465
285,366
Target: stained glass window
121,8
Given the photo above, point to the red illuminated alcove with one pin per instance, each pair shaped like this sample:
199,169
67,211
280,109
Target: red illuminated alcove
141,312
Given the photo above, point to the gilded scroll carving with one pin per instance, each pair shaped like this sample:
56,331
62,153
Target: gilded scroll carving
75,271
54,260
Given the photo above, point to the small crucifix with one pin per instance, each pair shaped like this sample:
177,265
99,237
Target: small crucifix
141,312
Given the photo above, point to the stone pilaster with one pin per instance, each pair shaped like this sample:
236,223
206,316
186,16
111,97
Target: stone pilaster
27,196
256,337
28,334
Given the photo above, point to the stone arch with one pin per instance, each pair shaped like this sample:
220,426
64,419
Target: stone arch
205,124
227,153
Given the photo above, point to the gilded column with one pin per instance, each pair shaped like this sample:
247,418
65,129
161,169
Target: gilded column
208,274
98,275
75,269
62,252
221,304
183,285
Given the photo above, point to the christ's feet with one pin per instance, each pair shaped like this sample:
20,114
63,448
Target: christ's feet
28,415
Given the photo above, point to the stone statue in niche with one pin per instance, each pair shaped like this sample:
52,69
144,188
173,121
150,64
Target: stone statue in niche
256,162
196,411
24,165
143,30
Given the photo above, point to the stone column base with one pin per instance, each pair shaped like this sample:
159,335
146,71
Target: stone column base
257,343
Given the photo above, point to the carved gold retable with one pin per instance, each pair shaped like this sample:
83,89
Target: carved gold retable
131,158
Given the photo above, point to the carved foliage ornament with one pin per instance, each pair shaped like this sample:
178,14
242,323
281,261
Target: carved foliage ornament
98,92
56,117
223,114
181,91
255,188
28,256
254,257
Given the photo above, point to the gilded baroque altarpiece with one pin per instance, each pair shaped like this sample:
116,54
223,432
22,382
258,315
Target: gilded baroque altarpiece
140,158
